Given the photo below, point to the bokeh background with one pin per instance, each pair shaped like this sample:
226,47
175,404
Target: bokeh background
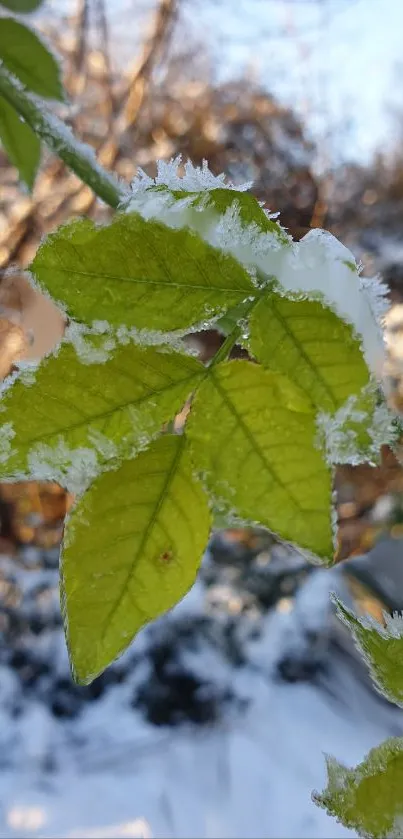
215,721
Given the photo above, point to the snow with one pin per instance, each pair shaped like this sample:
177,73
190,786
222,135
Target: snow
108,772
73,469
339,434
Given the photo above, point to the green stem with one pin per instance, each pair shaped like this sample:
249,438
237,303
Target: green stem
77,156
232,338
226,347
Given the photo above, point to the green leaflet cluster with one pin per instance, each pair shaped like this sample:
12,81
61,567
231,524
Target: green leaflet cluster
97,415
25,56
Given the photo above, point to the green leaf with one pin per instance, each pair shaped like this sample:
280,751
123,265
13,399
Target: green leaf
27,58
307,342
21,6
139,274
252,434
369,798
20,143
133,545
79,417
381,647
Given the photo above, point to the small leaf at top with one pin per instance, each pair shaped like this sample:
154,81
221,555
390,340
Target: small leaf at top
252,436
368,799
311,345
381,648
78,417
19,141
138,274
24,54
132,548
21,6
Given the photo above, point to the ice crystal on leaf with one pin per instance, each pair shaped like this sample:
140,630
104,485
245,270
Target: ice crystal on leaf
194,178
7,434
73,469
357,431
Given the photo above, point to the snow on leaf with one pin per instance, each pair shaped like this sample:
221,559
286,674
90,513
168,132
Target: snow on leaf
79,419
381,647
193,178
311,345
252,436
320,265
233,221
368,799
138,274
133,545
358,430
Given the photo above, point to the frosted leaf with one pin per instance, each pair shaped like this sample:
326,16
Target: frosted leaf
7,434
194,178
321,265
73,469
381,647
357,431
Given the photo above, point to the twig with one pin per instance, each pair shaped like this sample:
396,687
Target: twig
59,139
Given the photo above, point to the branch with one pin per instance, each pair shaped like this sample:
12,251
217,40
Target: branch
57,136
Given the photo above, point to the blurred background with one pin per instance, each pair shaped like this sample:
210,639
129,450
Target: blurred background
215,721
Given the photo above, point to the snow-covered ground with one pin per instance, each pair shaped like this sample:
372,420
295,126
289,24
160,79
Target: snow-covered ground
248,771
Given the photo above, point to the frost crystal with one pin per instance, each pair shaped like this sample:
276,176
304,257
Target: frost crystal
26,371
194,178
7,434
106,447
341,434
93,344
73,469
377,292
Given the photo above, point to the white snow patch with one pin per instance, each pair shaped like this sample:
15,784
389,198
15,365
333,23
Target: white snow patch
339,434
88,351
73,469
7,434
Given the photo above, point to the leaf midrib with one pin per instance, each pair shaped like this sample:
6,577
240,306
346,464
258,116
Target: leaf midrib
148,281
254,444
305,356
165,488
108,413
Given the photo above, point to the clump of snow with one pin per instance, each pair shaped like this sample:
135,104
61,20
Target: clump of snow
73,469
7,434
341,433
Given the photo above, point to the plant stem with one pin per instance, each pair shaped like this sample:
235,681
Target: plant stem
58,137
226,347
224,351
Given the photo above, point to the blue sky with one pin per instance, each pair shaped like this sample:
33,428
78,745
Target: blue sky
336,61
